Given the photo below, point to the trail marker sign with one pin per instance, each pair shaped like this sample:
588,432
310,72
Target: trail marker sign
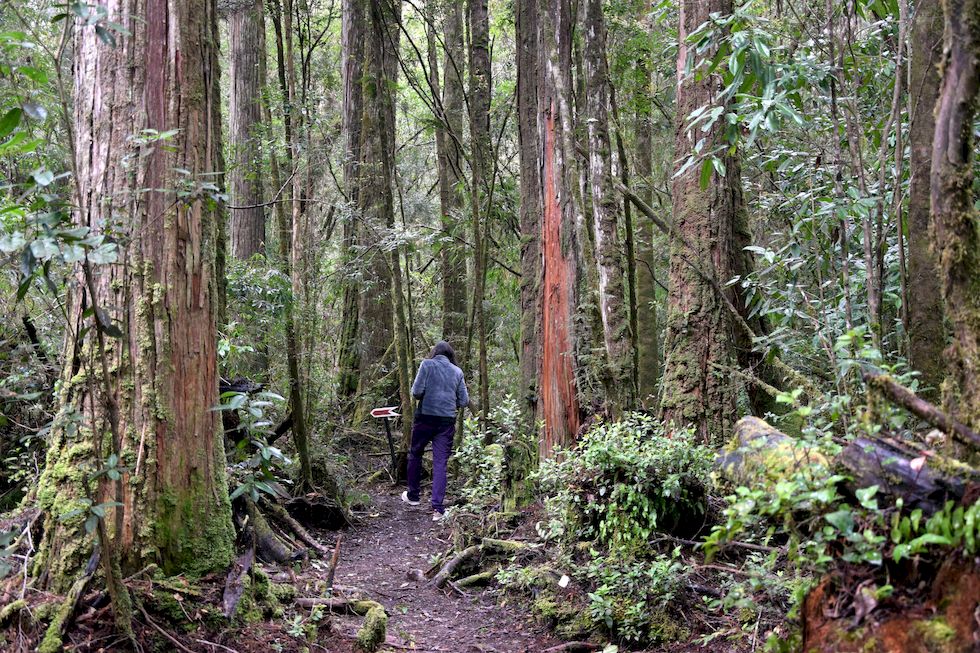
388,413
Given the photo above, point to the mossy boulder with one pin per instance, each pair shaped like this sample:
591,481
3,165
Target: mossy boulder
759,454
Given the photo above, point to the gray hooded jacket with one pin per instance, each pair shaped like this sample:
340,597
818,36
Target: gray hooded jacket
440,388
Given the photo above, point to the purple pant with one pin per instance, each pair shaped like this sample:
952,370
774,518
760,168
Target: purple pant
439,431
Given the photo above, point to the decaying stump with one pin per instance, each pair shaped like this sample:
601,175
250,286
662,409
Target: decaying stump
842,615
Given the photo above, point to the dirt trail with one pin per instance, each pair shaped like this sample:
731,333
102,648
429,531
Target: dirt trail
377,556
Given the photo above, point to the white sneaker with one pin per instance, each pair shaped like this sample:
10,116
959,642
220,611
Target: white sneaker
437,516
407,500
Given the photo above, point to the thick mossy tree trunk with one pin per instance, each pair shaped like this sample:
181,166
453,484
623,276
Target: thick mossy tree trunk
618,377
698,388
925,309
352,65
955,219
378,379
383,305
246,42
161,294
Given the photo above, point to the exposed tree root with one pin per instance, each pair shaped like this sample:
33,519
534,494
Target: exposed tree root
283,517
488,545
8,611
269,546
480,578
573,647
235,583
440,579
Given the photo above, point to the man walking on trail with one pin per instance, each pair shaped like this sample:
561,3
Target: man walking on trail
440,390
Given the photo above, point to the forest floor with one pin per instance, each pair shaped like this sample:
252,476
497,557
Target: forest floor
391,546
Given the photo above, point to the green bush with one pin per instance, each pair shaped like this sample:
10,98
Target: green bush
624,481
619,485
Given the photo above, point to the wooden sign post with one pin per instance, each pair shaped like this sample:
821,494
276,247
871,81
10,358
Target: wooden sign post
387,413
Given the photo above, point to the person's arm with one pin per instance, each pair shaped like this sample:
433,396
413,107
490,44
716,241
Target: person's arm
462,396
418,386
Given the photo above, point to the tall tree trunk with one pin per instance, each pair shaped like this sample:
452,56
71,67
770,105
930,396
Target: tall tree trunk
290,250
352,63
615,326
449,135
925,306
697,388
246,41
561,233
648,328
383,306
530,83
161,379
955,219
479,188
378,357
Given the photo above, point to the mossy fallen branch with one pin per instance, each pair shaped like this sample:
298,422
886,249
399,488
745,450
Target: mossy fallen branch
55,634
8,611
373,631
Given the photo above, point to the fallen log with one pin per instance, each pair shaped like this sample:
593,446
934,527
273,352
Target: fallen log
922,479
902,396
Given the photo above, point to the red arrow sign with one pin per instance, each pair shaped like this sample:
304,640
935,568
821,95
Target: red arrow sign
387,411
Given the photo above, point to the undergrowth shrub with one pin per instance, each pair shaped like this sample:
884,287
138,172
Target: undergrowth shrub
483,457
604,500
622,482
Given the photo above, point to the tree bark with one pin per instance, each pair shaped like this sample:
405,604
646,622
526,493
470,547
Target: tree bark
700,331
925,306
479,59
955,220
617,338
529,86
449,136
377,199
561,233
352,66
246,42
648,328
161,294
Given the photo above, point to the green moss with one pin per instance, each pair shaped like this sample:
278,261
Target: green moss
937,635
372,633
166,604
12,608
664,628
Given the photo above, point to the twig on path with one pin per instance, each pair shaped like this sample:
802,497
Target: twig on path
573,647
334,559
173,640
216,645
